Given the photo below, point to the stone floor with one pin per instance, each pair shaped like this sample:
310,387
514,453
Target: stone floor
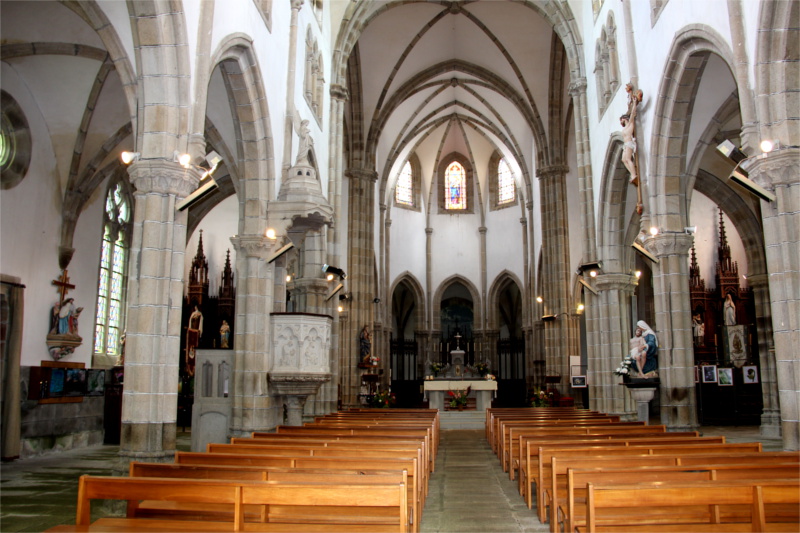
468,492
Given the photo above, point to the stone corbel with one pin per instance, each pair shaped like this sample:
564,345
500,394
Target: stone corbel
256,246
163,177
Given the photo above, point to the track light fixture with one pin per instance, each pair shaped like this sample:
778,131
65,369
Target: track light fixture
336,271
587,286
280,251
333,291
739,174
130,157
591,267
639,248
345,297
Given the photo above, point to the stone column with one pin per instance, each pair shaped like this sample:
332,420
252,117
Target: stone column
253,408
561,333
771,411
155,296
779,173
610,332
673,328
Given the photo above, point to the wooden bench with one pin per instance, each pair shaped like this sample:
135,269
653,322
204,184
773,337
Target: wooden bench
328,463
566,508
503,426
160,509
339,505
493,412
689,507
546,456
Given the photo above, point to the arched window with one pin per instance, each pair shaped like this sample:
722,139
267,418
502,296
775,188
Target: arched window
113,265
404,190
506,189
455,186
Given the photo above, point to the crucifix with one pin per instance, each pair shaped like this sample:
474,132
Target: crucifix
63,285
630,157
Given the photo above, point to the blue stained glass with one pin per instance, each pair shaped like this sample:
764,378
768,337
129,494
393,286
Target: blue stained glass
113,315
113,337
98,338
455,186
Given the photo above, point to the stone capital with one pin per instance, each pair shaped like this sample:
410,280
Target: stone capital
551,171
364,174
297,4
339,92
757,281
163,177
577,87
257,246
666,244
779,168
616,282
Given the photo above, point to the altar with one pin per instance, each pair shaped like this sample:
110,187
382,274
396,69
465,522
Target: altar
483,390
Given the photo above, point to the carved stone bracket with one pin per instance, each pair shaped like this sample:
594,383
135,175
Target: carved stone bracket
551,171
339,92
577,87
666,244
778,168
256,246
616,282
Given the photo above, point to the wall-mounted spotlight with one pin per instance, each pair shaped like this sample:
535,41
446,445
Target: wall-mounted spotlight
581,307
271,234
288,278
130,157
591,267
335,271
587,286
731,151
197,195
690,230
333,291
183,160
639,248
280,251
539,299
551,318
376,300
738,177
345,297
739,174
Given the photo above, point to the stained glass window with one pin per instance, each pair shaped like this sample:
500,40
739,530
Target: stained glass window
111,282
404,190
506,189
455,186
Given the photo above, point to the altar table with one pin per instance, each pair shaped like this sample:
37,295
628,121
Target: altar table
481,389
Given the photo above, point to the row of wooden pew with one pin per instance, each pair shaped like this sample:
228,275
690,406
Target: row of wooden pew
587,471
357,470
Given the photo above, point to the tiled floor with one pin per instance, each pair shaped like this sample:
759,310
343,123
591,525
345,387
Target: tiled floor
468,492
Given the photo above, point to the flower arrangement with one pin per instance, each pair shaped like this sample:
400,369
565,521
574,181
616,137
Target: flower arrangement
458,397
541,398
480,368
624,368
383,399
437,368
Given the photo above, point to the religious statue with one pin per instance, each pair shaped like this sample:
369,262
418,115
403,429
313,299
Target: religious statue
729,311
365,344
698,329
646,362
224,335
306,141
193,334
628,122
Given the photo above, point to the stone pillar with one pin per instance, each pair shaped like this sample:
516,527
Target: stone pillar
561,333
611,333
771,412
361,266
253,408
155,296
294,410
779,173
673,328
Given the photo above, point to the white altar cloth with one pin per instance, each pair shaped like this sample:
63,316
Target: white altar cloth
481,389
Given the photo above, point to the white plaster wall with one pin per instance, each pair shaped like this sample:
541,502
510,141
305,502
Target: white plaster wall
218,226
716,86
407,246
456,248
704,214
504,246
31,213
119,17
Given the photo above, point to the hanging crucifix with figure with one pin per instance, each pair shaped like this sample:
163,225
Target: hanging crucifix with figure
630,157
63,337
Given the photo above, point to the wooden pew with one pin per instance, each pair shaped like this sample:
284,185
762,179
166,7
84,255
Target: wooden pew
689,507
621,440
205,511
546,456
568,506
341,504
328,463
493,412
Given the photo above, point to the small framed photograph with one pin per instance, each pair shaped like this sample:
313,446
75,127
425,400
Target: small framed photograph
725,377
75,384
95,385
709,373
578,382
697,374
750,374
57,378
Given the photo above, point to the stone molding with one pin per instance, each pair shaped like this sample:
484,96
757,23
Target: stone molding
551,171
616,282
778,168
163,177
666,244
577,87
340,93
256,246
370,176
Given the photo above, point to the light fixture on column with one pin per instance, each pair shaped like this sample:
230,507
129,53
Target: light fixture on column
591,267
130,157
551,318
336,271
587,286
280,251
539,299
690,230
207,183
333,291
739,173
271,234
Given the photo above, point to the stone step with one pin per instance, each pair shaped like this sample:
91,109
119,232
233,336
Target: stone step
462,419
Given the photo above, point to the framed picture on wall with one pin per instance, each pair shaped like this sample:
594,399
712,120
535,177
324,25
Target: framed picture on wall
725,377
709,373
95,382
697,374
578,382
750,374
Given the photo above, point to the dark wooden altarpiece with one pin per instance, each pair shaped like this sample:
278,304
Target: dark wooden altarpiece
741,403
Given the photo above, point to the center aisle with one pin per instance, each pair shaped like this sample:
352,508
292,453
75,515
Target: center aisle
469,492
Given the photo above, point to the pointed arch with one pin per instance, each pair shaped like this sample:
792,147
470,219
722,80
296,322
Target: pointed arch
411,284
477,304
501,283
